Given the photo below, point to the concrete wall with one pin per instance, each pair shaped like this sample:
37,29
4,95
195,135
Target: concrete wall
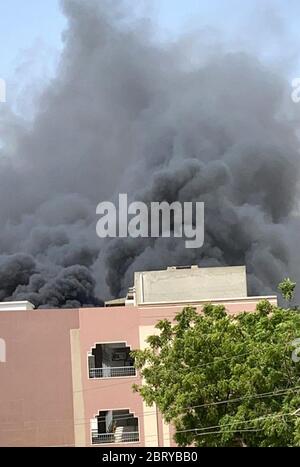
36,402
173,285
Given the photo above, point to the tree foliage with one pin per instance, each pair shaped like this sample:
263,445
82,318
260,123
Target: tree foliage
224,380
287,289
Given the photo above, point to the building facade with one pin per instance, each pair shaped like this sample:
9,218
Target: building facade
67,375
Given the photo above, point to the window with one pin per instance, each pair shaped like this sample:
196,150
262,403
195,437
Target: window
115,426
110,360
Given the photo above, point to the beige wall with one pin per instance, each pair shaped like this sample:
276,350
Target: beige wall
151,430
78,396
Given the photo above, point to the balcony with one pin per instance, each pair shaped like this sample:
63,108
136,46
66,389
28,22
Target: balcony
108,438
114,427
102,438
112,372
110,360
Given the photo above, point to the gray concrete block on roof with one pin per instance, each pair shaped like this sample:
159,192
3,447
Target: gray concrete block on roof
191,284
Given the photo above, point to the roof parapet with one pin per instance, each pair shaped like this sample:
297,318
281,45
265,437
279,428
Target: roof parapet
16,306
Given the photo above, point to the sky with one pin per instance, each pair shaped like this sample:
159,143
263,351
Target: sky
32,24
31,35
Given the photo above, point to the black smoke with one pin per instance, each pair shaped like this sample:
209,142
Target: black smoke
161,122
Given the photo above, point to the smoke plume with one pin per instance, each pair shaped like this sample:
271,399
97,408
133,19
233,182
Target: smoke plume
161,121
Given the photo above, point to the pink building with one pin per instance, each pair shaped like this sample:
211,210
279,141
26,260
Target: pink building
66,375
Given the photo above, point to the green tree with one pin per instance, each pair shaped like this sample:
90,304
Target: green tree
287,289
224,380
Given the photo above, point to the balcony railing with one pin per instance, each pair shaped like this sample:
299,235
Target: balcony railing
108,438
130,437
112,372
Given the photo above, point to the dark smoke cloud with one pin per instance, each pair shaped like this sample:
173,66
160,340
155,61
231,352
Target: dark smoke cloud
71,288
22,278
127,114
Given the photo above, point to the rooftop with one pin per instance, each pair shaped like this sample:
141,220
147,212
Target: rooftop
190,283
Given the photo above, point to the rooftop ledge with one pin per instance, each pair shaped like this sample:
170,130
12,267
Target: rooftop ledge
16,306
212,300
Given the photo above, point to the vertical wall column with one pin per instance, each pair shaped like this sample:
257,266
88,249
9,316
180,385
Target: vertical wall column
151,419
78,401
